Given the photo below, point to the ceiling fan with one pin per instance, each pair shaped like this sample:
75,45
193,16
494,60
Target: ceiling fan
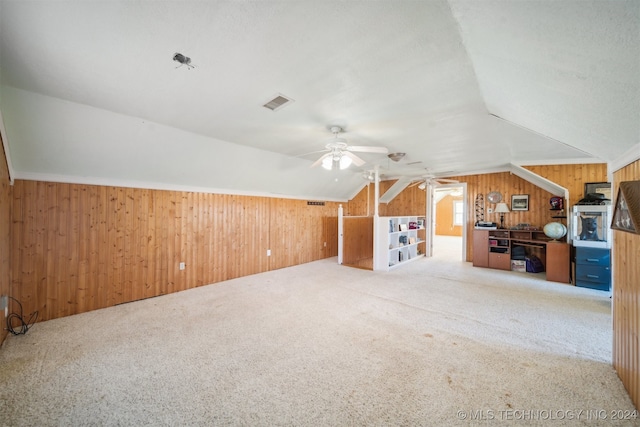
423,181
340,155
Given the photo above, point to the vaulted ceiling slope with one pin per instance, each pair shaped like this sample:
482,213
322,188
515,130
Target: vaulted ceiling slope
89,91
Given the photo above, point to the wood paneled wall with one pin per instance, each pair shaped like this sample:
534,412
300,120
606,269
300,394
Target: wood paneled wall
358,242
444,217
626,297
411,201
5,243
362,203
78,248
298,232
572,177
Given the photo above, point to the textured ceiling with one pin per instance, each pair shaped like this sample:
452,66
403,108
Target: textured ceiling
90,92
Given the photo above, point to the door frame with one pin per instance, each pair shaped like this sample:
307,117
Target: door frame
431,209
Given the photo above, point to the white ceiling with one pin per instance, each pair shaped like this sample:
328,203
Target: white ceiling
89,91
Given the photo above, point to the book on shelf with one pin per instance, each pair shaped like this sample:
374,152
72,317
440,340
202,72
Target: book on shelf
403,227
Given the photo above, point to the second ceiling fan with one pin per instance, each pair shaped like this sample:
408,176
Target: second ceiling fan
340,155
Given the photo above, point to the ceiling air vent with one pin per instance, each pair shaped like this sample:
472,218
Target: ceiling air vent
278,102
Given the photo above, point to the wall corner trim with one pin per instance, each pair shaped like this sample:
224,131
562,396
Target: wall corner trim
535,179
630,156
5,146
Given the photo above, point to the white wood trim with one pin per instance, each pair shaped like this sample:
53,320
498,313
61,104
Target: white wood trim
534,178
31,176
5,146
396,189
630,156
340,234
576,161
431,208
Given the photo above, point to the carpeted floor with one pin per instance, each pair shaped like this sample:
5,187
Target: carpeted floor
434,343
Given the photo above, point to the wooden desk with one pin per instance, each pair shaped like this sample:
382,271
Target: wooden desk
493,248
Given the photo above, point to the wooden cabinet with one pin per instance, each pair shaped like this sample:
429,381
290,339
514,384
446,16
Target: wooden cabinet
557,255
501,261
398,240
481,248
493,249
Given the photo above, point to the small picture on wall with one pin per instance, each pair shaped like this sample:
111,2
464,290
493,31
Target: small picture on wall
626,214
603,188
520,202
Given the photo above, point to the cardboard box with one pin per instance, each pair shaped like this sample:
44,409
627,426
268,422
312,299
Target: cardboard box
520,266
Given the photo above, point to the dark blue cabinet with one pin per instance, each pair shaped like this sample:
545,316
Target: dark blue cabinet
593,268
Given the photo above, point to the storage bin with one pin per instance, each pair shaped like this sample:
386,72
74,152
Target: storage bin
517,265
534,264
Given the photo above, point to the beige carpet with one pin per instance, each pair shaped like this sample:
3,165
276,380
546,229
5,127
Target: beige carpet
434,343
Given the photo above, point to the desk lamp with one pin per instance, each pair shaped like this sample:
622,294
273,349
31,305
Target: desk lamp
502,209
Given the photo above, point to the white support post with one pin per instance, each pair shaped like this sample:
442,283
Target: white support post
340,232
429,232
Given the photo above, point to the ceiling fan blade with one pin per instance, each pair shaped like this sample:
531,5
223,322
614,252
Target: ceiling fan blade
317,162
365,149
356,160
441,180
312,152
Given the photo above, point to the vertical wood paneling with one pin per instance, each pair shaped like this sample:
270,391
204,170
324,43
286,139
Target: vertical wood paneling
330,233
569,176
17,248
80,247
411,201
444,217
358,242
102,297
626,297
359,205
5,233
296,234
40,294
572,177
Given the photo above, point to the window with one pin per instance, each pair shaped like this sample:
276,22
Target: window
458,208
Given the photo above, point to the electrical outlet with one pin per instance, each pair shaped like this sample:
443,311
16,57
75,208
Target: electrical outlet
182,266
325,244
490,210
268,252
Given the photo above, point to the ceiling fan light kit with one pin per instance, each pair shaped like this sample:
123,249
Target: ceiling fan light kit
340,162
340,154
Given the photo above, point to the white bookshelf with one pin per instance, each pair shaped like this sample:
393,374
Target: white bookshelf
398,240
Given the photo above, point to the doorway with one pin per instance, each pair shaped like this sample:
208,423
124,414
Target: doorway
448,228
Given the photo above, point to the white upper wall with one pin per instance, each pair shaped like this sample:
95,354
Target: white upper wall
89,91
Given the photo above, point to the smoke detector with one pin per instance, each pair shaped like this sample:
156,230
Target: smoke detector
183,60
